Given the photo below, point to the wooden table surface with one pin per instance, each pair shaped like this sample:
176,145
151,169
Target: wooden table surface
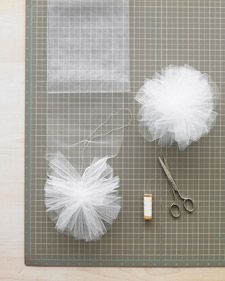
12,78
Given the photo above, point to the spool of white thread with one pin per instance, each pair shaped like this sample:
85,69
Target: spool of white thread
147,207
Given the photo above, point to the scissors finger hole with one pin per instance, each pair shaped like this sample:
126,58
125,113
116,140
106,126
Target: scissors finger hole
175,211
189,205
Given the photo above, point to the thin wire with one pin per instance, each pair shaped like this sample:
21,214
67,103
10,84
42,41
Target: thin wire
92,136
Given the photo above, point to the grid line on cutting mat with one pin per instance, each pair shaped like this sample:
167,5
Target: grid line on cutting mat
161,33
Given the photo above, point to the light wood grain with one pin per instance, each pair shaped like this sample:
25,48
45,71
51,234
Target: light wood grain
12,37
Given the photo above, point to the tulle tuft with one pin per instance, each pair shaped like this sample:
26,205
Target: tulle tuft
177,106
81,205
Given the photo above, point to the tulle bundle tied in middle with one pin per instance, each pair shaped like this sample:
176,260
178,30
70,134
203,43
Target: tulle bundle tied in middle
84,201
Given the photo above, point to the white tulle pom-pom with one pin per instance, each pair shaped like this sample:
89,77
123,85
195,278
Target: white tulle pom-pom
177,105
82,205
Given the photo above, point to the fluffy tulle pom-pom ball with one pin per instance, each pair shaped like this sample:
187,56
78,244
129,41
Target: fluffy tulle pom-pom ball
177,105
82,205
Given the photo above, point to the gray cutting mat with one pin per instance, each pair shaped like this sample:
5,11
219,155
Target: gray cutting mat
161,33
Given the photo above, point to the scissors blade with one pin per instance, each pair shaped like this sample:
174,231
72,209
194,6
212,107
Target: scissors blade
167,172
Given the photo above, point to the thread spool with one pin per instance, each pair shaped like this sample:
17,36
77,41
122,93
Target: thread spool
147,207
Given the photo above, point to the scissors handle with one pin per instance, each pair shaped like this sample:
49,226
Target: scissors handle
175,207
188,205
175,210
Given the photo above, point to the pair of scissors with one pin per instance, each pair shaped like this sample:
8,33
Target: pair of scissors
175,209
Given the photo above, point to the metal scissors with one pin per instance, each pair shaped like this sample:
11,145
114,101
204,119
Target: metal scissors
188,203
